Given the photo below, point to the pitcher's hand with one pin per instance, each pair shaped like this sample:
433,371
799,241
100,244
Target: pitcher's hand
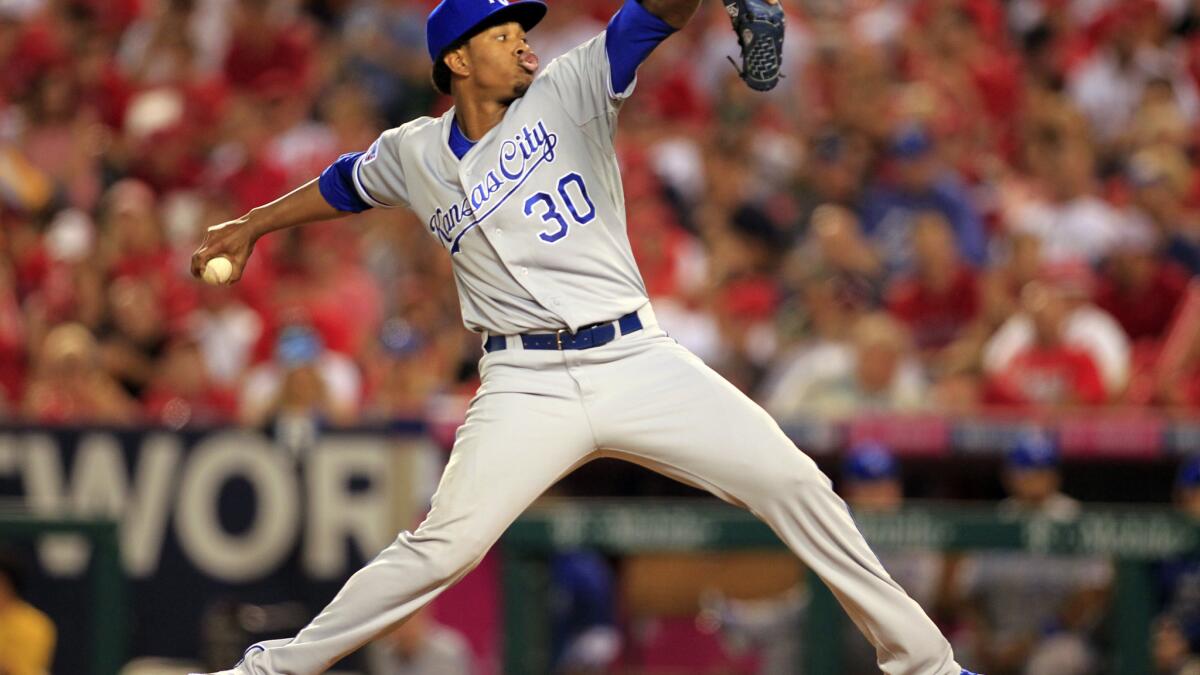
233,239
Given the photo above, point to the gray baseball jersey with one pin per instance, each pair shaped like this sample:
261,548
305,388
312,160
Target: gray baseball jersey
534,215
533,218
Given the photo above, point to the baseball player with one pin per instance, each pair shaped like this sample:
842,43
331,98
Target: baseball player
519,182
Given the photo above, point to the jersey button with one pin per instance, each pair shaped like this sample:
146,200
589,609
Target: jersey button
524,271
499,231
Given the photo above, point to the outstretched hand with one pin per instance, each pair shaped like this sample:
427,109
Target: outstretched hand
233,240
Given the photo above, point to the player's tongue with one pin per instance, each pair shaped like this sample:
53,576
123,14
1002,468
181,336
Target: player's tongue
528,61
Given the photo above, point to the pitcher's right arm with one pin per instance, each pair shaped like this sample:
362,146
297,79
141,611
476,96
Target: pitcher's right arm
353,183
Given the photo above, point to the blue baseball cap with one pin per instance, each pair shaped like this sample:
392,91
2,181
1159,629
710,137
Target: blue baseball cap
453,20
1033,451
399,338
297,346
1189,474
911,142
870,461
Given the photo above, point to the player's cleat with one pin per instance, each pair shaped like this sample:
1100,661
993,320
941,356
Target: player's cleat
967,672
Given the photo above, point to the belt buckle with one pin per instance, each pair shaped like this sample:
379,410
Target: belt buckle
558,338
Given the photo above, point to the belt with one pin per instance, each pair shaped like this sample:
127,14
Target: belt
586,337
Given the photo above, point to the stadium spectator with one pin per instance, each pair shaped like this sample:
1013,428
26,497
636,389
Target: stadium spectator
875,369
1175,640
1070,165
1131,57
1049,371
834,173
27,635
269,47
941,298
180,392
402,371
69,386
586,639
921,183
1140,290
420,646
226,331
136,337
12,337
1174,648
1063,208
1056,316
1161,179
304,387
1031,613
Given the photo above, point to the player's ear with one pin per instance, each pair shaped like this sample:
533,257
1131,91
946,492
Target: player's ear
457,61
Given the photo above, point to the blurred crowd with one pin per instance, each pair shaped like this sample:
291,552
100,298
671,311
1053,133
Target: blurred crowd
947,205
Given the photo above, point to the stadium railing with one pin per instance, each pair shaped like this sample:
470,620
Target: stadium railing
1134,537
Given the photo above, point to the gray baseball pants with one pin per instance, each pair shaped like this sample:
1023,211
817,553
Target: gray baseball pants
537,416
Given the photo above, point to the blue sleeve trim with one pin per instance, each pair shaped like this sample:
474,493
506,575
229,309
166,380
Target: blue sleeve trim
460,145
337,185
633,32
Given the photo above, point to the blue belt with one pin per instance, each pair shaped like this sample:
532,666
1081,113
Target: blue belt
585,338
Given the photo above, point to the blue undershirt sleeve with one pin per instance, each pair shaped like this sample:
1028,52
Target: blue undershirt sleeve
337,185
633,32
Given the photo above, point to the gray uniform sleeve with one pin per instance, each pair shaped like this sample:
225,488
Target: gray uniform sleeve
379,174
582,82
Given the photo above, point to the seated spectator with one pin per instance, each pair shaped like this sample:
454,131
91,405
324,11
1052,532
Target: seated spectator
922,183
1140,289
875,370
267,48
226,331
12,337
420,646
1029,613
68,386
1048,371
837,242
1074,224
27,635
181,393
941,297
1160,179
402,371
305,383
136,336
1063,299
1110,83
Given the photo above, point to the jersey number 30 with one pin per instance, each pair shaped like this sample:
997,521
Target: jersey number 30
572,198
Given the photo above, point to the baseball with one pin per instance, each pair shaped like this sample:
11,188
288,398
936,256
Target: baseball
217,271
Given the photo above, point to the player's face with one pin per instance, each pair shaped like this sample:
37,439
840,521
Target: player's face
874,495
502,63
1188,500
1032,485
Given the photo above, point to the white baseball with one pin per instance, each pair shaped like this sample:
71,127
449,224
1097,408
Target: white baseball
218,270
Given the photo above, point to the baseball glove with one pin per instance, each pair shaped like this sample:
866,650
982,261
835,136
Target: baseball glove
759,26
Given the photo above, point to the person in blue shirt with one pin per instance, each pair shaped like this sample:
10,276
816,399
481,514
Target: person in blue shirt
1175,640
921,182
